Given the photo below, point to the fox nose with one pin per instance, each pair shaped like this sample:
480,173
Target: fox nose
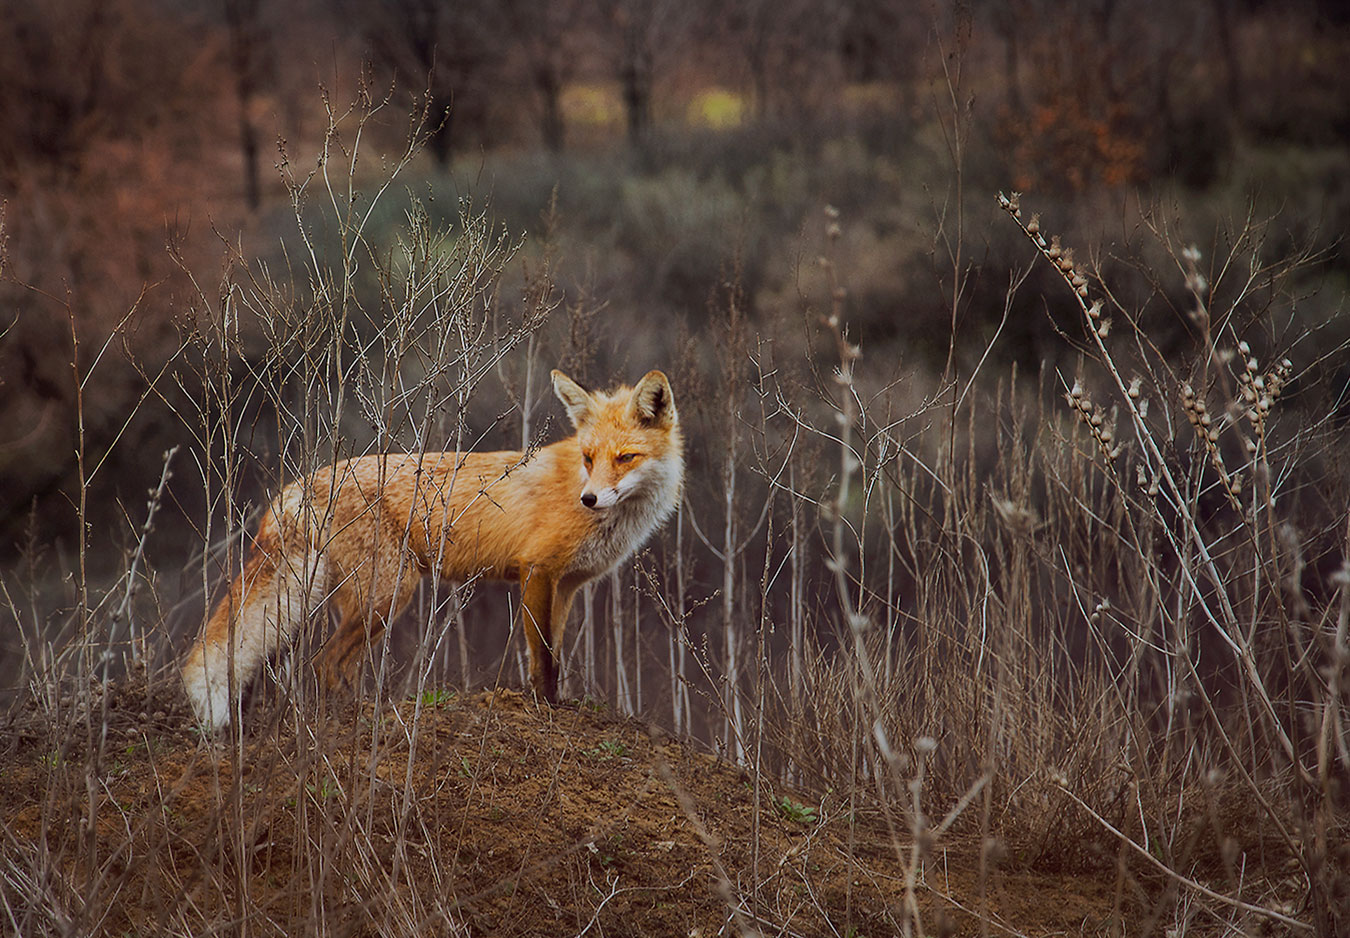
588,499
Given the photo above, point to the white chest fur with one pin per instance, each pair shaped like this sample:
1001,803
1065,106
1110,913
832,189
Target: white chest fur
624,527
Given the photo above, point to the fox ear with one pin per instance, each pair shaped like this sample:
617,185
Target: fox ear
652,403
580,406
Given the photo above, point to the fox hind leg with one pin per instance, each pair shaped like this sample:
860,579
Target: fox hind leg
363,617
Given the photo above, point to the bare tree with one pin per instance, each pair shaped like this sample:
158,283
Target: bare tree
452,51
641,34
247,45
786,46
546,34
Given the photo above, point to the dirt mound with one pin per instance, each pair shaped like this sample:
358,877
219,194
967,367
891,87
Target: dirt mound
456,815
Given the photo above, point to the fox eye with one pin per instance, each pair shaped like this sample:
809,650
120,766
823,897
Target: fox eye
626,458
587,460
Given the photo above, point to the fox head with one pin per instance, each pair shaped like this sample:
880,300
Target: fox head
629,438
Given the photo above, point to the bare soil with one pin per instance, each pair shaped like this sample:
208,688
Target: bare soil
496,817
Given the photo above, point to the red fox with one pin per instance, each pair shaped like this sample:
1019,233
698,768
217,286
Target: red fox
360,534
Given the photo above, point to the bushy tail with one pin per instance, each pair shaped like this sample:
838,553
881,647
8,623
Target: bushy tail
264,608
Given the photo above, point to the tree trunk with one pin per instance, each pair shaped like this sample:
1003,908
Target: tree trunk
241,17
551,121
637,98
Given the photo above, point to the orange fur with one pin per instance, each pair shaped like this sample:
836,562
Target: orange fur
362,533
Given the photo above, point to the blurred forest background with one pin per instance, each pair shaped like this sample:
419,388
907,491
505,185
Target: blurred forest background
140,143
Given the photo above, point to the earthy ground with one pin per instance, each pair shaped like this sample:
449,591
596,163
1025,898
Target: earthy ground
512,820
